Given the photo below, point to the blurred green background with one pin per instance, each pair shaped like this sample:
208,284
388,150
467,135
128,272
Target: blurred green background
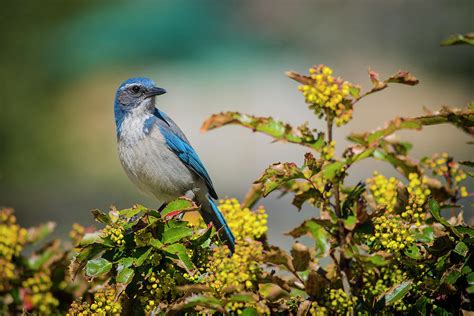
61,63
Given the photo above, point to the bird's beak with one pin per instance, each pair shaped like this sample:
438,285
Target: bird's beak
155,91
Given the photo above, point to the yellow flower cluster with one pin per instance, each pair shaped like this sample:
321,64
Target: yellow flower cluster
328,150
7,273
239,271
383,190
243,222
443,165
115,232
386,278
316,310
326,94
159,286
79,309
105,303
340,302
417,189
238,307
12,236
391,234
38,288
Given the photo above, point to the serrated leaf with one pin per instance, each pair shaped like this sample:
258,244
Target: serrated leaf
403,77
435,210
463,119
131,212
141,255
90,238
277,174
459,39
461,249
101,217
124,275
181,252
97,267
321,238
396,293
413,252
269,126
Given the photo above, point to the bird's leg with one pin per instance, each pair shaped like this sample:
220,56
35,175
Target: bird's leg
162,207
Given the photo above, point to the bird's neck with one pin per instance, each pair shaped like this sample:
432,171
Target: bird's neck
139,112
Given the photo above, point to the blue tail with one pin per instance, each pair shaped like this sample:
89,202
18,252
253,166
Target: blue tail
212,214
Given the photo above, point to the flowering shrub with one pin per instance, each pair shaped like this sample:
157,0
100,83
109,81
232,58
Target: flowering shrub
387,244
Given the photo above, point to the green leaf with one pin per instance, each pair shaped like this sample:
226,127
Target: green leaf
125,275
321,238
208,301
333,169
91,238
141,255
249,311
426,235
466,230
464,119
180,204
131,212
174,234
470,278
267,125
395,294
100,216
459,39
354,91
451,277
181,252
435,211
413,252
277,174
97,267
203,238
350,222
461,249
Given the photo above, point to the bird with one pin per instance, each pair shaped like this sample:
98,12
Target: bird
157,156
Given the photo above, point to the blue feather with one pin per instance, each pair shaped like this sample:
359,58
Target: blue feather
188,156
221,225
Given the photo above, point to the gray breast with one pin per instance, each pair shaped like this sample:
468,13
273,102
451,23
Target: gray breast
150,164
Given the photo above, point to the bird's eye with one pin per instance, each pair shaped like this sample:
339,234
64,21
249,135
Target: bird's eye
135,89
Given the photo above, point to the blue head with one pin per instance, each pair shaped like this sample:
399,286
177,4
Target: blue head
135,95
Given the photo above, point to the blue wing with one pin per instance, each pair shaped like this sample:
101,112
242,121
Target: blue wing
188,156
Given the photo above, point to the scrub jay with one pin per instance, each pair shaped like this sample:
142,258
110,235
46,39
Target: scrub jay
157,156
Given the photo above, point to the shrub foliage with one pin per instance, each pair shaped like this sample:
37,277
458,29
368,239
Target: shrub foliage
391,245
